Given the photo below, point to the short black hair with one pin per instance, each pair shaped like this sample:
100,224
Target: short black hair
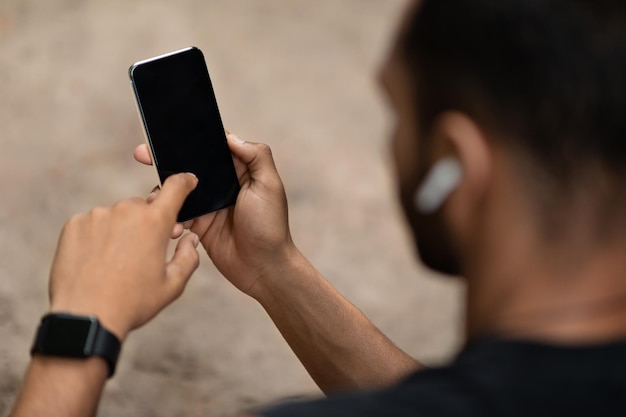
548,76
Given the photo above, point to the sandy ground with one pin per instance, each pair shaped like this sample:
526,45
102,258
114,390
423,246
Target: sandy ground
297,74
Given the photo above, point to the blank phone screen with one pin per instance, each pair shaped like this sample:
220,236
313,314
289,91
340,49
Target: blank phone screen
184,128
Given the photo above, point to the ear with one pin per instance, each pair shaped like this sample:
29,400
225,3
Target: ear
440,182
456,135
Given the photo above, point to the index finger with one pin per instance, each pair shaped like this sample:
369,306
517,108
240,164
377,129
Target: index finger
173,193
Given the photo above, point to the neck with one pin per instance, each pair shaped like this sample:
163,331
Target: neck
580,302
570,289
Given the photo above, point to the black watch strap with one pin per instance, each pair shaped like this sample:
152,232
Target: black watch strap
108,346
74,336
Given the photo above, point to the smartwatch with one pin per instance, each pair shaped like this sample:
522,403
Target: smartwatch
73,336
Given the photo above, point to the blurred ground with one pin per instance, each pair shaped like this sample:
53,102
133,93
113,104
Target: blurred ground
297,74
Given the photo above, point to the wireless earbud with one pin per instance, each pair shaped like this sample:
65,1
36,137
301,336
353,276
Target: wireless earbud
442,179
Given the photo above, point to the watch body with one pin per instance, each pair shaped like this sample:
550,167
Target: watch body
74,336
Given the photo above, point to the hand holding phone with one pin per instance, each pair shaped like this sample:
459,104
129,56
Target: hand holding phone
249,240
183,128
243,243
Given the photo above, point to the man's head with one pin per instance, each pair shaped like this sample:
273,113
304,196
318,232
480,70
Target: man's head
542,82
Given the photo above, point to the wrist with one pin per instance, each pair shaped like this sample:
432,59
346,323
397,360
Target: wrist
108,320
283,274
76,336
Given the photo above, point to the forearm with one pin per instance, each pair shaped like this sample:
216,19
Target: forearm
339,347
61,387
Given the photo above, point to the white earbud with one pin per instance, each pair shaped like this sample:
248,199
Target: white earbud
442,179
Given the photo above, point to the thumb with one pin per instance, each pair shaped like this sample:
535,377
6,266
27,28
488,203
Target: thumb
183,264
256,156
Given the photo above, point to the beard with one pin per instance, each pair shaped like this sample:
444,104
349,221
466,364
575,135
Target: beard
431,235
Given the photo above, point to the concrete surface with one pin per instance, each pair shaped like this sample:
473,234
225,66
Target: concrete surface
297,74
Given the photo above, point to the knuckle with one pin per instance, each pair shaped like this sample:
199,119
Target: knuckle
178,289
195,262
177,285
73,222
128,204
264,149
134,202
98,212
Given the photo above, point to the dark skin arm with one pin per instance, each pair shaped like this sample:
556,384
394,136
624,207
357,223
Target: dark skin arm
340,348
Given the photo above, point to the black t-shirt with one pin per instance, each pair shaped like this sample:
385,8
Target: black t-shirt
494,378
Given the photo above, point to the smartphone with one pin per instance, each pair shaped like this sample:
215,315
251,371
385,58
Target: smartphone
183,127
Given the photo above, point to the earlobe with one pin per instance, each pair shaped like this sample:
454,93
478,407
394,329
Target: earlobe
442,179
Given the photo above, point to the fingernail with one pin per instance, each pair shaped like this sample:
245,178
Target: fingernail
194,175
196,240
237,139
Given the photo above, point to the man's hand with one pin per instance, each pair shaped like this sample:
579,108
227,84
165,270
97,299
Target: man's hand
248,240
111,262
251,245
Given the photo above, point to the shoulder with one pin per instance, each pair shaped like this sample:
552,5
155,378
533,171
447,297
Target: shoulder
429,393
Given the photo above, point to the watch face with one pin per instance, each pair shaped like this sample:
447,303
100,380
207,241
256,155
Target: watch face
69,335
